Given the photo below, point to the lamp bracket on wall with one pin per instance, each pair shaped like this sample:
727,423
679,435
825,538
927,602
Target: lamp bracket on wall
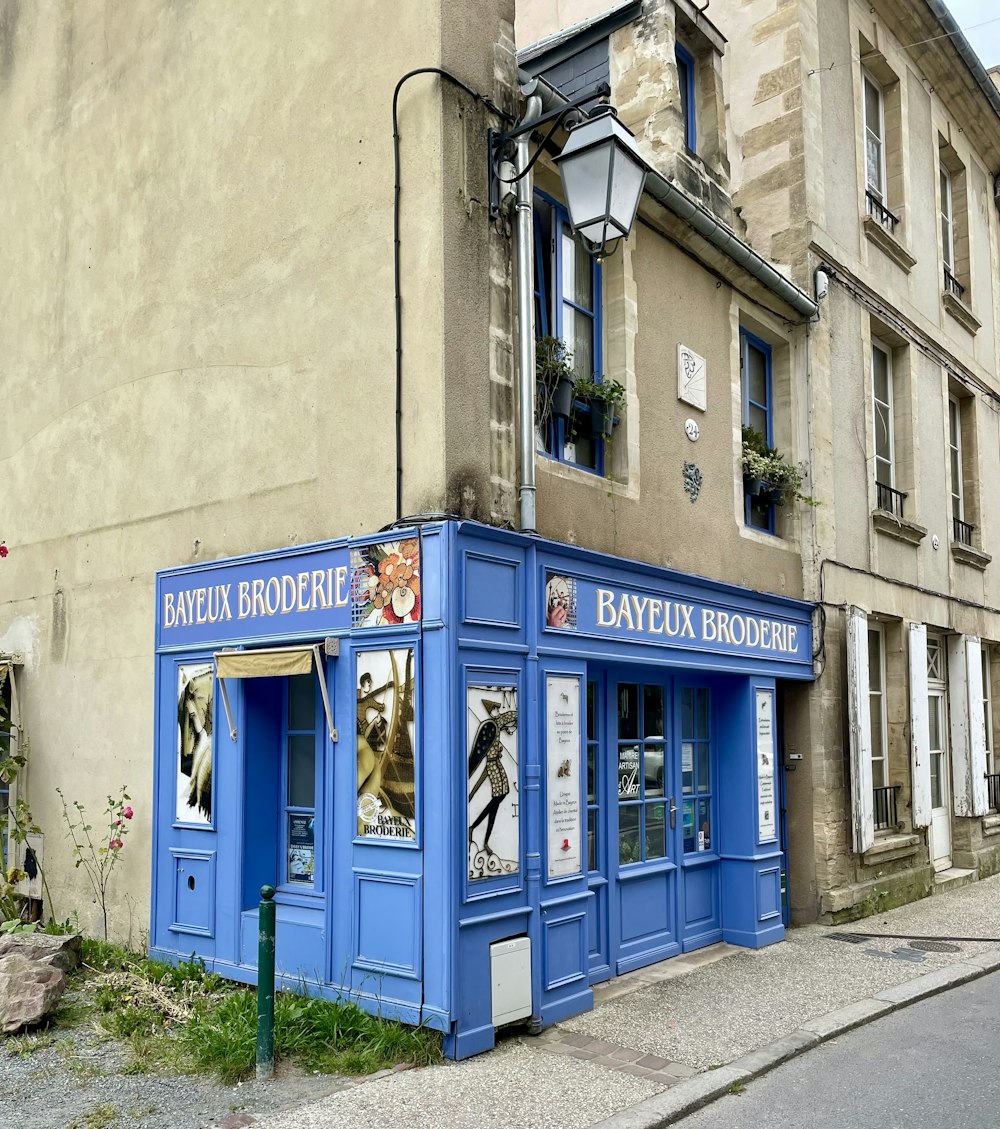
500,145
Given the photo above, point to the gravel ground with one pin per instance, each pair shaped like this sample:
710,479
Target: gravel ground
708,1016
515,1087
76,1080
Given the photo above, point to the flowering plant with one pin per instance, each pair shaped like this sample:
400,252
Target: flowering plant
98,855
3,549
762,463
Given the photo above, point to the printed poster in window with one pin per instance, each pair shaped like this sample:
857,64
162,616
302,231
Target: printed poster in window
560,601
562,775
301,848
385,737
767,813
385,583
494,801
195,690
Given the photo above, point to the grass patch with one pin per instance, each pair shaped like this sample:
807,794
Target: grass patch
20,1046
330,1036
183,1019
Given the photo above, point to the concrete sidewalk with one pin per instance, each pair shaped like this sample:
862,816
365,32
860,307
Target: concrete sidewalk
665,1039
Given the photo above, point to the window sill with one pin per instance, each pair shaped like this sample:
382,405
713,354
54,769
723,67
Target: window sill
991,824
890,847
960,312
974,558
888,244
902,530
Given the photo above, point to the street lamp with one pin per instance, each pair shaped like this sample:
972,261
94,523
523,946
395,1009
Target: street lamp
603,176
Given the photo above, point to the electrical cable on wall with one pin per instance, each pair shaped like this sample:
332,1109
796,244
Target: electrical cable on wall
503,115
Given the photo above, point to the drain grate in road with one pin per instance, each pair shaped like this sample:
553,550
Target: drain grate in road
848,938
936,946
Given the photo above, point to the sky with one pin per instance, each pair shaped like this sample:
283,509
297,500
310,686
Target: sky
980,20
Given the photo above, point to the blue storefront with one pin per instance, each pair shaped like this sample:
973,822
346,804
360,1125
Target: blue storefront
484,771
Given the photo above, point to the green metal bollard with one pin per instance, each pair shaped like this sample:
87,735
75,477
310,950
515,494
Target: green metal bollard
265,984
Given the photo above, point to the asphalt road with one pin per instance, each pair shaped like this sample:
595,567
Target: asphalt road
930,1066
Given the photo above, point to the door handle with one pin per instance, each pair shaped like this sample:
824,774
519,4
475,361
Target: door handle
673,813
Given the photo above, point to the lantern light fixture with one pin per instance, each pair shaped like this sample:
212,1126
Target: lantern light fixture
602,174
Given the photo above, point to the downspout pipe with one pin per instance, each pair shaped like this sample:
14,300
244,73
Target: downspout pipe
668,194
523,225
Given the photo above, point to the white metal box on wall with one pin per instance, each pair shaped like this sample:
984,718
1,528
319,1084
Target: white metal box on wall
510,978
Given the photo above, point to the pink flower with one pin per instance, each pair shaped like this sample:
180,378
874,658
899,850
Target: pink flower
127,812
3,549
115,844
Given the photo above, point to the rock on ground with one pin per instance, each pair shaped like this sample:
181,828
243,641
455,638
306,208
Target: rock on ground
29,990
58,951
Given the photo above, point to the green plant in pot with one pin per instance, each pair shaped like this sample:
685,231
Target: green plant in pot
766,469
554,379
606,399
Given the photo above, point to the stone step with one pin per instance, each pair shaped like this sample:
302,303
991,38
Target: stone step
953,878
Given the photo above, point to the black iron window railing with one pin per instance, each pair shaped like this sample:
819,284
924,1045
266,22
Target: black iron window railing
952,285
885,808
890,499
962,531
878,211
993,790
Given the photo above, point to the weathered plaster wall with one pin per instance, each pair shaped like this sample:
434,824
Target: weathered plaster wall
198,352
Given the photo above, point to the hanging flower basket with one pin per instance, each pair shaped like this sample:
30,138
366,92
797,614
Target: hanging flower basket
606,400
765,469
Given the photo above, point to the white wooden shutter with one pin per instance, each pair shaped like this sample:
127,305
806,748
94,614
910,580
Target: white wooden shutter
920,733
968,732
859,716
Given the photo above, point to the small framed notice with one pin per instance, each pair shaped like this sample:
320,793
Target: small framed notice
767,793
563,786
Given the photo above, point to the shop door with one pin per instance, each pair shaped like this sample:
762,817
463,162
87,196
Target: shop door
643,825
598,920
940,784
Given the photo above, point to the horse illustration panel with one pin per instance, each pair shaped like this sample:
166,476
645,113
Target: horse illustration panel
195,694
385,743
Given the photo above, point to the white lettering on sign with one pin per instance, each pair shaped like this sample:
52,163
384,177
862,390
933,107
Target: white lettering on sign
652,616
320,589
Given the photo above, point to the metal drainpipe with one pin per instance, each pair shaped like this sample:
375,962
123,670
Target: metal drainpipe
526,326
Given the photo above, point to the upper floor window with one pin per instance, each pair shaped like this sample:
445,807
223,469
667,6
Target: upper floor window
875,178
884,168
954,211
947,223
758,413
568,286
955,455
686,82
887,497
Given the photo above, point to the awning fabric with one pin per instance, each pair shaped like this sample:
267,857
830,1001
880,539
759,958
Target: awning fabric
270,663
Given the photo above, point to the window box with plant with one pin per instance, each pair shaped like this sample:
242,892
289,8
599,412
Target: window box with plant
767,472
606,400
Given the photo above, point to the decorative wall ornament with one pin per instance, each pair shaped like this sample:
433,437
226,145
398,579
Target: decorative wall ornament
560,601
385,583
692,378
385,742
692,481
494,800
195,694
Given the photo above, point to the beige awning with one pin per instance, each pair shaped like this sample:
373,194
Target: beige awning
270,663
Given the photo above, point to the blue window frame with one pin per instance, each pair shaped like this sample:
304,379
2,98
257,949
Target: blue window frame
5,734
685,80
301,786
696,769
758,413
568,299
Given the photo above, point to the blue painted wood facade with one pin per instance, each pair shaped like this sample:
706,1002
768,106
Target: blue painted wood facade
398,923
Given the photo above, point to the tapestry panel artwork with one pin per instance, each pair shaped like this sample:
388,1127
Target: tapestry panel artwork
494,826
385,735
385,583
560,601
195,691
